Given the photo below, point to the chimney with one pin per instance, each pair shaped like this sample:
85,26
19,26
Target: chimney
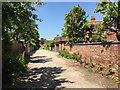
93,19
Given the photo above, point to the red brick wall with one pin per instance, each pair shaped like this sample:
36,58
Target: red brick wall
98,53
17,49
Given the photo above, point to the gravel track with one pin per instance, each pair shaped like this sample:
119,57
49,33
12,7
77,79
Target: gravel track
47,70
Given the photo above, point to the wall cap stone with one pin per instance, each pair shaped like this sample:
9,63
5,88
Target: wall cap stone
95,43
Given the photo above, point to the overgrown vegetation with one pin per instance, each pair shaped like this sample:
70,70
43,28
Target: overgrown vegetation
111,18
47,48
18,23
65,53
76,21
94,67
42,41
77,29
13,68
49,45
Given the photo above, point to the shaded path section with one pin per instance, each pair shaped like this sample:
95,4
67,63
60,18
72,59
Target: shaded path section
42,78
46,70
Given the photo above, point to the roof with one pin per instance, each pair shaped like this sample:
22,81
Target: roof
96,24
60,39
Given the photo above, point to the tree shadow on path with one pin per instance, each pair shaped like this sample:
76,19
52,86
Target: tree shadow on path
38,57
44,60
45,77
32,52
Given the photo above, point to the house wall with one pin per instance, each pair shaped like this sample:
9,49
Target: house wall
111,37
61,46
98,53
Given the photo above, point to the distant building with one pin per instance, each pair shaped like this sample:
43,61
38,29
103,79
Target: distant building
98,23
45,44
59,43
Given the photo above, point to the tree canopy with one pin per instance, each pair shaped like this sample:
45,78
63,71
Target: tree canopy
111,18
76,25
19,21
42,41
51,43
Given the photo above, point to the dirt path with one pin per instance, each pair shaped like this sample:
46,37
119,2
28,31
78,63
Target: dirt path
46,70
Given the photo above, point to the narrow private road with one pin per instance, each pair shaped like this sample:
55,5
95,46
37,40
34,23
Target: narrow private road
47,70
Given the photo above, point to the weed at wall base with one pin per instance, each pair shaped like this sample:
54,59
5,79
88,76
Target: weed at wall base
94,67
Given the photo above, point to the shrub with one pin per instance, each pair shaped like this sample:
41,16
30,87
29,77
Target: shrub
79,58
47,48
64,53
60,52
13,68
92,66
75,56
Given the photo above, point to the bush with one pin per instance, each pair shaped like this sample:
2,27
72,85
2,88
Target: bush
13,68
74,56
65,53
47,48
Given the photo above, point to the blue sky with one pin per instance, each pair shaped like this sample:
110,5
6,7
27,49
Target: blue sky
53,14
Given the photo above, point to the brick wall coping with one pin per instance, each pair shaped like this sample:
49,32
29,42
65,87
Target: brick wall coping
96,43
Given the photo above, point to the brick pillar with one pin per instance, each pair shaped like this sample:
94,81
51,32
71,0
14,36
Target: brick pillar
60,46
55,48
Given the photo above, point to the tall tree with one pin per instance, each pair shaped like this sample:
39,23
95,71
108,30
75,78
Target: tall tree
42,41
75,25
111,18
51,43
18,22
